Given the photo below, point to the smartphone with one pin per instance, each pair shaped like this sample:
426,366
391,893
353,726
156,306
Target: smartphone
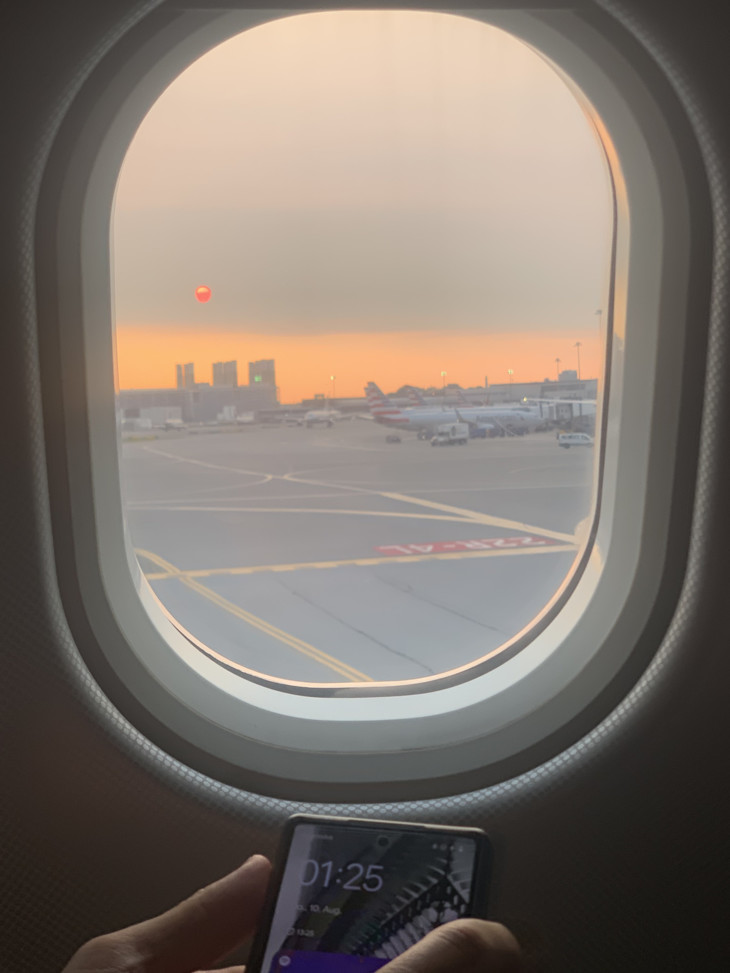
348,894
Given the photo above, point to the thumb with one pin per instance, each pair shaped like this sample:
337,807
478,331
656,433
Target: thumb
462,946
199,931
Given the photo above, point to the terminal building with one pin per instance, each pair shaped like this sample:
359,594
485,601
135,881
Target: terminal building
193,401
568,386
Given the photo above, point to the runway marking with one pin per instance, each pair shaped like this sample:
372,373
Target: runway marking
295,477
479,544
459,519
148,504
314,510
471,515
496,489
213,466
188,578
358,562
363,449
264,478
474,516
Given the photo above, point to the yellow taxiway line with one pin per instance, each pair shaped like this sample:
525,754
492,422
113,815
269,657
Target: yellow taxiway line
358,561
458,515
351,674
446,512
472,516
181,508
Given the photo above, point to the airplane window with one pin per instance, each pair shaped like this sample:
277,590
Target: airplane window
361,268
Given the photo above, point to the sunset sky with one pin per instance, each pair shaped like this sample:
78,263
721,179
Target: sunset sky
374,195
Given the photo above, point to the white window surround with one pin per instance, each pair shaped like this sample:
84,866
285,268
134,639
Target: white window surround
481,722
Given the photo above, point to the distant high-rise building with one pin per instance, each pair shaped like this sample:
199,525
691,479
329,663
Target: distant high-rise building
262,373
225,373
185,376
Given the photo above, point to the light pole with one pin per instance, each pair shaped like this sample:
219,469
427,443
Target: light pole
332,398
443,389
557,367
510,372
577,347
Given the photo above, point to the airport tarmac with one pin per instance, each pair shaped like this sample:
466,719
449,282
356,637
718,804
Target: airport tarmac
328,555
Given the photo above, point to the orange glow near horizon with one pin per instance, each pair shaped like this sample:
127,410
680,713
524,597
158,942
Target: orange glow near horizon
444,207
146,358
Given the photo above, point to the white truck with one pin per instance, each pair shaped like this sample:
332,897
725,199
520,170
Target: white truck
450,433
568,439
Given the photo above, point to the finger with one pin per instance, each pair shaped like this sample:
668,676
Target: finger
462,946
199,931
228,969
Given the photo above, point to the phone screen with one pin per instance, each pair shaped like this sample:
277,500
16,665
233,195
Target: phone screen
355,895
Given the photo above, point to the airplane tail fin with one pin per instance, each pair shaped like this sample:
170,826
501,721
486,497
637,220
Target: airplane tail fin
381,408
414,396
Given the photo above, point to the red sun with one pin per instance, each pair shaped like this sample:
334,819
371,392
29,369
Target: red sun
203,294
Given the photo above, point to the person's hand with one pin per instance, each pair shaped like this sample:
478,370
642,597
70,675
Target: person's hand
461,946
193,935
200,931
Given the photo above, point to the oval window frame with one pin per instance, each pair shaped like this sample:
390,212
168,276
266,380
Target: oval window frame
583,662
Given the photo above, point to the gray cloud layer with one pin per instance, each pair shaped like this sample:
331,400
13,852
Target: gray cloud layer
350,172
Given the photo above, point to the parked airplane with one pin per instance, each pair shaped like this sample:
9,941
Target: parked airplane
321,417
462,400
414,396
423,419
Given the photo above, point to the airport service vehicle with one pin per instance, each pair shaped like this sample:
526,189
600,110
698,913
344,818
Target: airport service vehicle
568,439
451,433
